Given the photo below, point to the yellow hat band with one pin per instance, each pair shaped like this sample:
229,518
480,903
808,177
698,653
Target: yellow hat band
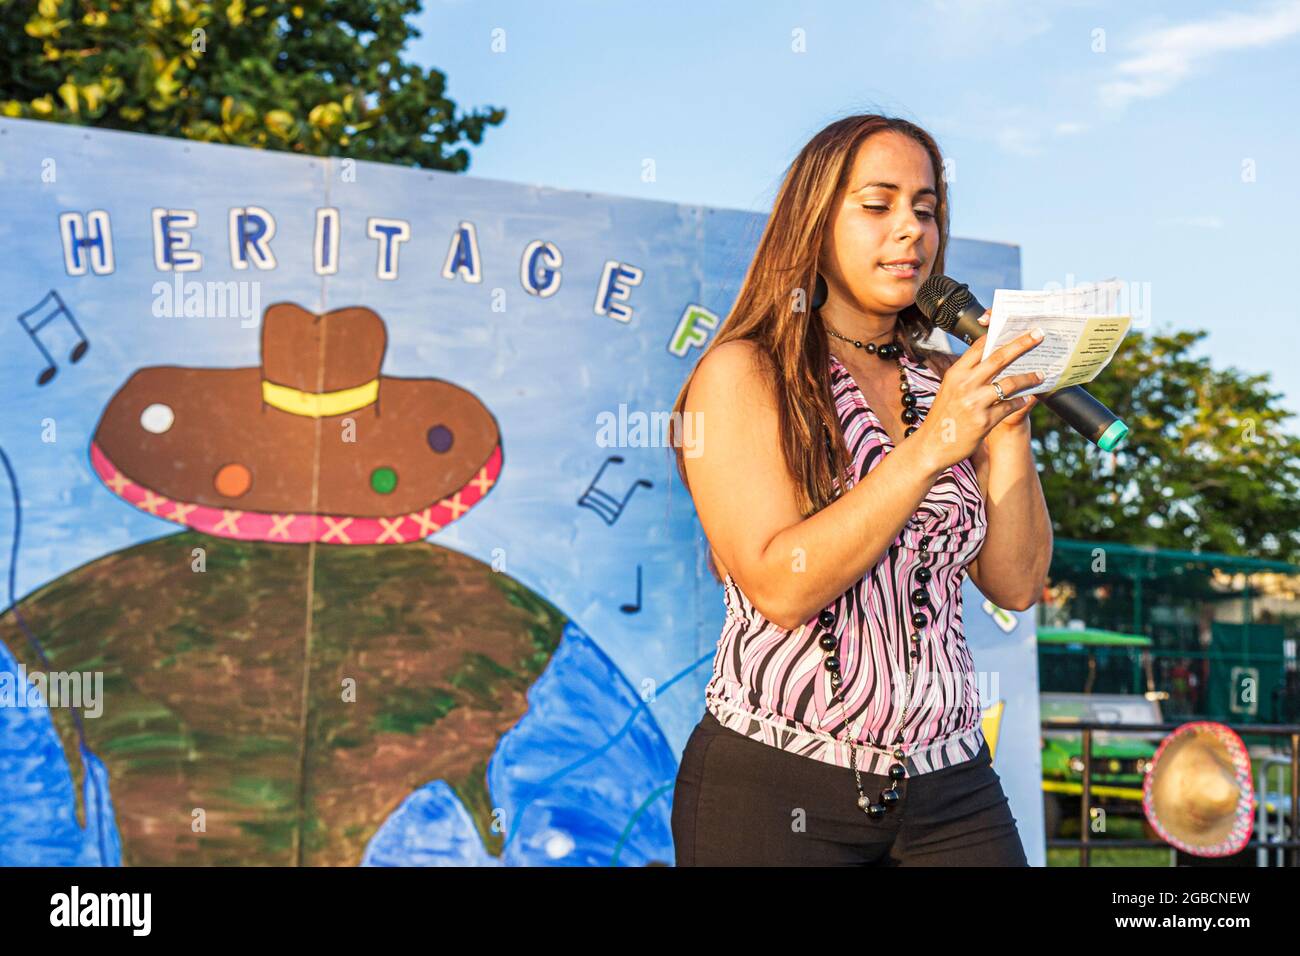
319,404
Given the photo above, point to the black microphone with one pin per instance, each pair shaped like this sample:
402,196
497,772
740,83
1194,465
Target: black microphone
953,308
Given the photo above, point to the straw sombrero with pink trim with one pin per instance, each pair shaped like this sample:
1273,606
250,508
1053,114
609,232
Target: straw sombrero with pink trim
313,445
1199,795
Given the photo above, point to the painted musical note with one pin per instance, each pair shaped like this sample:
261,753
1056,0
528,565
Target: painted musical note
634,608
607,506
61,310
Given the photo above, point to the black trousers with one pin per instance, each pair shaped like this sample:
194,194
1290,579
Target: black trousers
741,802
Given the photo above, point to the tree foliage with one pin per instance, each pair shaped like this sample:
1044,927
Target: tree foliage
1207,465
324,78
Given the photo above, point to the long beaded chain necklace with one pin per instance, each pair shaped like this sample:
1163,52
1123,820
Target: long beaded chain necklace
919,595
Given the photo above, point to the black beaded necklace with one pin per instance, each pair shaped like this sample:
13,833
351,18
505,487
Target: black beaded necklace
892,350
919,595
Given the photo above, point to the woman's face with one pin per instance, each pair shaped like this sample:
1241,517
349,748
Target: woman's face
877,223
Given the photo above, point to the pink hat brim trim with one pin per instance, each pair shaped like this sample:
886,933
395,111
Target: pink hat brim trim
292,528
1243,824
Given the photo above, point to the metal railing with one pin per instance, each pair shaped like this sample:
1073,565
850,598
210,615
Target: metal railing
1263,847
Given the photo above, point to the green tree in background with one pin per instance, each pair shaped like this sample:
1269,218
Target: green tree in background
1208,464
324,78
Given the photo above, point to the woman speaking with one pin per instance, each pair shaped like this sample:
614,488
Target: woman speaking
850,479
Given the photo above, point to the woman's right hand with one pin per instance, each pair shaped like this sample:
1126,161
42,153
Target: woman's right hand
966,407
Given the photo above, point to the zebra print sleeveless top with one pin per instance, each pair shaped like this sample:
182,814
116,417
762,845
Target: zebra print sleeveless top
770,683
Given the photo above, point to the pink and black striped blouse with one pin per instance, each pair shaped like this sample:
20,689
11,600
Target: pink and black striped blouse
770,683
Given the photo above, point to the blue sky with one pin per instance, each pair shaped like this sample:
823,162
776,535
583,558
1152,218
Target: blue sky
1126,152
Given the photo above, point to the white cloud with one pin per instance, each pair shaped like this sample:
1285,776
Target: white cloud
1018,140
1164,58
981,22
1010,128
1069,128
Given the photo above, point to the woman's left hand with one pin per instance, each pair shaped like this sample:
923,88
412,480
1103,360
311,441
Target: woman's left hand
1016,425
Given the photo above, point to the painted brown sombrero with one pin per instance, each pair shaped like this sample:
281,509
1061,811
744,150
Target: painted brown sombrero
313,445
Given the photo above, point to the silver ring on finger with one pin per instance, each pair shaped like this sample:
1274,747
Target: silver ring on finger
998,388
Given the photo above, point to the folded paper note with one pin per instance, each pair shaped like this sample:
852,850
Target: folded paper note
1081,332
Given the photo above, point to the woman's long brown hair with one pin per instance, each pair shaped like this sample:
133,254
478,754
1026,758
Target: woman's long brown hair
773,307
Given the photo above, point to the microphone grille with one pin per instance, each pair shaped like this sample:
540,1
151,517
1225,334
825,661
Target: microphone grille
941,299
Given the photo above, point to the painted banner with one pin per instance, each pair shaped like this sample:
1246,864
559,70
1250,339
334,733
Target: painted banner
340,527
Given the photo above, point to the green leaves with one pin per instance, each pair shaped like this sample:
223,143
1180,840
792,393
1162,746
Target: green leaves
325,78
236,116
1210,463
282,125
327,117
